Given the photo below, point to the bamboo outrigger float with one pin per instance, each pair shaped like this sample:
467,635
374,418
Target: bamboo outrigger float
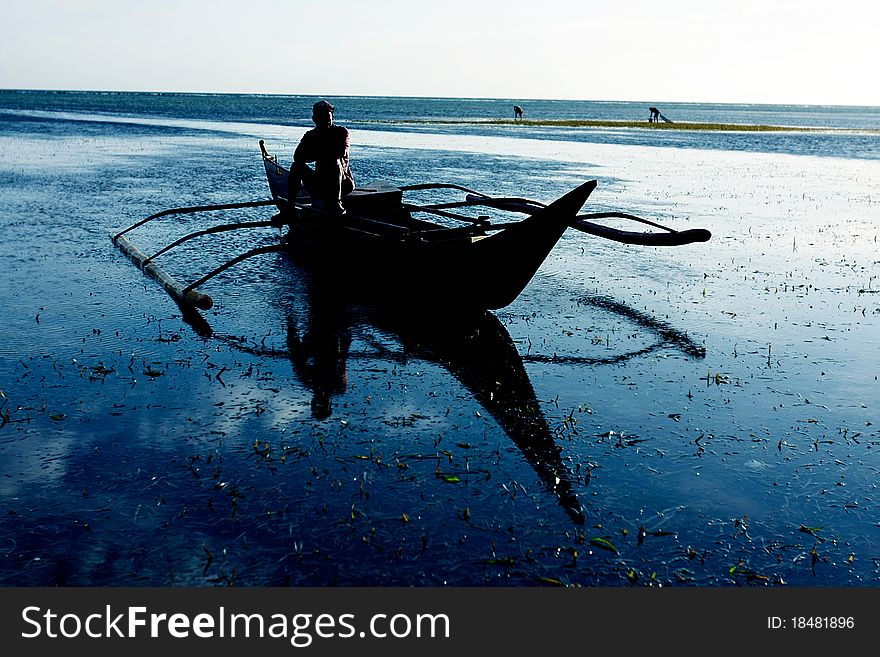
381,243
185,294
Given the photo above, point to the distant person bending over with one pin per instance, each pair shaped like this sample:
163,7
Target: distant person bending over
655,115
327,145
517,112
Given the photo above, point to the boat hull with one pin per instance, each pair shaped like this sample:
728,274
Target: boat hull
470,268
380,250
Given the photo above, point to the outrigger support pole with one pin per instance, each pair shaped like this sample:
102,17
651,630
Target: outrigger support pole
187,295
432,209
271,248
412,188
583,223
191,210
210,231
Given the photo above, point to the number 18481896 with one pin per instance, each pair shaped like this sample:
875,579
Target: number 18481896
811,623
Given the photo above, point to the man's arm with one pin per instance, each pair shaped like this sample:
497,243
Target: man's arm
305,151
341,144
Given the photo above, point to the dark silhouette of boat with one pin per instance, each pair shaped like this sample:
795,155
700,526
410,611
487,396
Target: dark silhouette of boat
461,257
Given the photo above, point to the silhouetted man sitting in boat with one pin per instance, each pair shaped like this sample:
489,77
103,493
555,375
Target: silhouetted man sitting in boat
327,145
517,112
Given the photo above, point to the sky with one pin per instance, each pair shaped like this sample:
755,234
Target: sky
748,51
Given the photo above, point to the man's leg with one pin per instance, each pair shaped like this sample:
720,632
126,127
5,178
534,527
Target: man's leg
302,175
329,175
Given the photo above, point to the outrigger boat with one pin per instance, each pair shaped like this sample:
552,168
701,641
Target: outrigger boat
384,243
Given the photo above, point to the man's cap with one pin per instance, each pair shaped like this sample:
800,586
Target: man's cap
322,106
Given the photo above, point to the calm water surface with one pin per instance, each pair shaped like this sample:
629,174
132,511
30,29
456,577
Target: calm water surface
692,416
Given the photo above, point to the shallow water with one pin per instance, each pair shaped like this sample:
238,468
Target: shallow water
709,411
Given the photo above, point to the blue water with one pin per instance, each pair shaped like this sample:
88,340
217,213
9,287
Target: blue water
260,108
709,411
376,112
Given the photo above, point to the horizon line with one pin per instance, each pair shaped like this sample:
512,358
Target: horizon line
418,97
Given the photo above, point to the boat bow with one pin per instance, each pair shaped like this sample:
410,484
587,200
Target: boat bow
521,248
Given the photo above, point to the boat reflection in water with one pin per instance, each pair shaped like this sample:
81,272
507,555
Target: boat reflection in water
475,348
668,337
319,357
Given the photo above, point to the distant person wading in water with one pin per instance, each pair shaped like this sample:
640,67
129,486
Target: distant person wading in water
655,115
327,145
517,112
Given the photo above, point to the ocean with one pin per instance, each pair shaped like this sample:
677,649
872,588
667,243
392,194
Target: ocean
702,415
847,126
